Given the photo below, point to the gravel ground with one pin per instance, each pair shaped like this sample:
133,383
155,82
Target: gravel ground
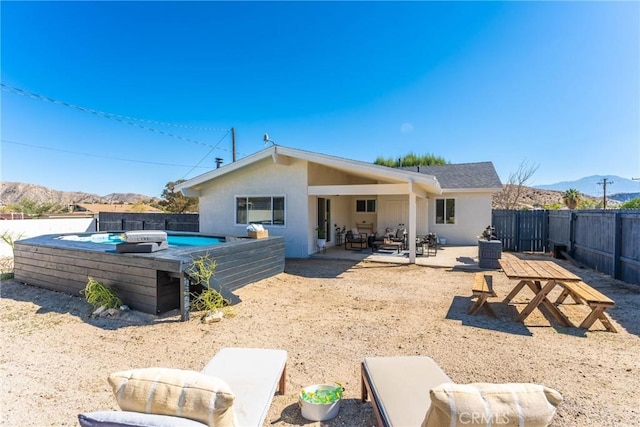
328,315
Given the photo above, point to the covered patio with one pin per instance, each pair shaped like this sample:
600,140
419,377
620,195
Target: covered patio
459,257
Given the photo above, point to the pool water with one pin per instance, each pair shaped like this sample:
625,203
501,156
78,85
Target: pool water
173,240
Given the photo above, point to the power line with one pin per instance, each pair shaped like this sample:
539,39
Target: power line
28,94
206,155
119,117
99,155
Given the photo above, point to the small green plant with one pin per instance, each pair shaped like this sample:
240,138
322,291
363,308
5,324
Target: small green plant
99,295
9,238
200,271
6,264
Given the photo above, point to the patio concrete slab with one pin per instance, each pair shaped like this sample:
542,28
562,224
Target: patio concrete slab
462,257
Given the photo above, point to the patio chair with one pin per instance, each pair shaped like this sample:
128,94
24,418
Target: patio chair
236,387
415,391
431,243
355,241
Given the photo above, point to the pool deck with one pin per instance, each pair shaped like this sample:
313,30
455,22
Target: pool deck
458,257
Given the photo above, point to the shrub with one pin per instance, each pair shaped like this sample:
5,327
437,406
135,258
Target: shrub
99,295
200,271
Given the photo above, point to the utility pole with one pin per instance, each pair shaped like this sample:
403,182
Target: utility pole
233,143
604,183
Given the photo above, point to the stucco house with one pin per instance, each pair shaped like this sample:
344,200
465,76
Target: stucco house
292,192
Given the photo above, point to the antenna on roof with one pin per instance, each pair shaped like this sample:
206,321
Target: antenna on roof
266,139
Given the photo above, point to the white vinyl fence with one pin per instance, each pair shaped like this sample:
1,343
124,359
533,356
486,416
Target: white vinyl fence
24,228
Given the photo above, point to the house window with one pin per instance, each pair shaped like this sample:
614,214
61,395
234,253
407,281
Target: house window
445,211
266,210
365,206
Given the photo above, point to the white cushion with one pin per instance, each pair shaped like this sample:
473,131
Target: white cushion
253,374
132,419
138,236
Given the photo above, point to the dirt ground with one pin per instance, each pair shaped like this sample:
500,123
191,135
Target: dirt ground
328,315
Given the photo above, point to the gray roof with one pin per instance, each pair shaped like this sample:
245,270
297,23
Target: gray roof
463,175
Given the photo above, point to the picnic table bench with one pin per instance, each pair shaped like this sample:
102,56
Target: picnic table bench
483,289
597,301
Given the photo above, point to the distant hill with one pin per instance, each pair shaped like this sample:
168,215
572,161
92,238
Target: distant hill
13,192
589,185
624,197
536,198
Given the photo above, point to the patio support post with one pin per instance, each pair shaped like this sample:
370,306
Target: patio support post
412,224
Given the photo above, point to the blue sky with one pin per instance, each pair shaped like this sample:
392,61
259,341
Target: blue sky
553,83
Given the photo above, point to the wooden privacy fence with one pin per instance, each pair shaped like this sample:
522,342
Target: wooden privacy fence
119,221
605,240
522,230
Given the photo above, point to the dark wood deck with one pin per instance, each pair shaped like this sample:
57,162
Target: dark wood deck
148,282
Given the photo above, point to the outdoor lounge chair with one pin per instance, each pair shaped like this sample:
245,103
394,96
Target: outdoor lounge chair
399,387
250,375
355,241
408,391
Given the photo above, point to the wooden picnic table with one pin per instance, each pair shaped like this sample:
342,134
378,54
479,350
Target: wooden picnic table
531,273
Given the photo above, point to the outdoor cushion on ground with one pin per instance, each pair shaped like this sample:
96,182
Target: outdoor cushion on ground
132,419
485,404
176,392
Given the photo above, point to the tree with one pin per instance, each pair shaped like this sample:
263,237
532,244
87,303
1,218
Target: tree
175,201
33,208
571,198
411,159
631,204
511,192
138,206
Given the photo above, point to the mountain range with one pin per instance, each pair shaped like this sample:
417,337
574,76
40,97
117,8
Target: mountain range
593,186
14,192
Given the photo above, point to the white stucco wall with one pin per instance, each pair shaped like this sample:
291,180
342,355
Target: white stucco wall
473,215
343,211
264,178
25,228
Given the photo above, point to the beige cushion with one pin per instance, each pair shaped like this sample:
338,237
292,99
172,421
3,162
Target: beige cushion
400,386
480,404
176,392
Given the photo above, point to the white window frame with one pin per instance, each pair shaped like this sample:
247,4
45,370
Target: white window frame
366,206
255,196
444,219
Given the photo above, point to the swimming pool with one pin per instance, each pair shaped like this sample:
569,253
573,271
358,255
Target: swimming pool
149,282
172,239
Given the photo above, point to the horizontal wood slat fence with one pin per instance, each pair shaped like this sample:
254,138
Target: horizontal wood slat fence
605,240
120,221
